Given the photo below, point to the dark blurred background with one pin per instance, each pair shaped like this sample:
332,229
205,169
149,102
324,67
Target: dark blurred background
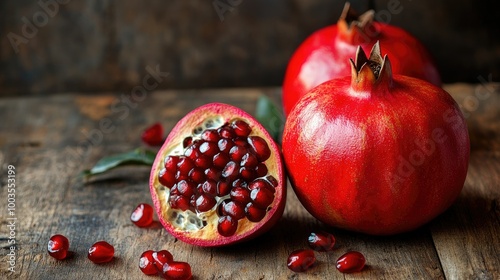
54,46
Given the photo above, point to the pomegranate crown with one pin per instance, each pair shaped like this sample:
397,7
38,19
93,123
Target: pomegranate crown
367,72
353,27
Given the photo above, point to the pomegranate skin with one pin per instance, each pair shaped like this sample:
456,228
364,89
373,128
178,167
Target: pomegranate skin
207,236
325,54
378,156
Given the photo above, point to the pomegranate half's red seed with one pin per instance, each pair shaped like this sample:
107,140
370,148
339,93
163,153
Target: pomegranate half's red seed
58,247
147,263
241,128
161,258
301,260
142,215
351,262
177,271
321,241
254,214
260,147
153,135
101,252
227,226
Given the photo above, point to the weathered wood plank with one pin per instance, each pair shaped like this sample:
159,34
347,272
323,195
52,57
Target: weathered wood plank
467,236
51,140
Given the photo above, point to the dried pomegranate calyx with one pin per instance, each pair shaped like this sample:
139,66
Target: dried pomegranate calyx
370,72
355,28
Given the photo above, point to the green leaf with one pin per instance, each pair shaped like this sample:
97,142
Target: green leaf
271,117
136,157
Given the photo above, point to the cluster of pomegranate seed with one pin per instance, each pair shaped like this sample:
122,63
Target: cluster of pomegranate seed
100,252
162,263
304,259
142,216
223,169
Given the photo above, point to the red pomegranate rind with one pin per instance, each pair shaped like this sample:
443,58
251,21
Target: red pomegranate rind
227,165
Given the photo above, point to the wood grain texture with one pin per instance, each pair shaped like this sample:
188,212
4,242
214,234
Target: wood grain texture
50,140
101,45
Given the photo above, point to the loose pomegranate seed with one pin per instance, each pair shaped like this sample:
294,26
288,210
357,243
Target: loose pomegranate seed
351,262
153,135
177,271
253,213
142,216
241,128
227,226
161,258
58,247
261,197
101,252
301,260
147,263
321,241
260,147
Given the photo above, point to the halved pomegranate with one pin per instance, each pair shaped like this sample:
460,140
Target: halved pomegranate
218,179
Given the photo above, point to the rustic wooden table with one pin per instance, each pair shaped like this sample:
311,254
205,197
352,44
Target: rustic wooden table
50,140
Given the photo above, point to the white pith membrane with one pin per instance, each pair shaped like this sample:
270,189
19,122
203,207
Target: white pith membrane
204,224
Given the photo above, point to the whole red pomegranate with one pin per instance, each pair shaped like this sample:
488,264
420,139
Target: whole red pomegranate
376,153
325,54
218,179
